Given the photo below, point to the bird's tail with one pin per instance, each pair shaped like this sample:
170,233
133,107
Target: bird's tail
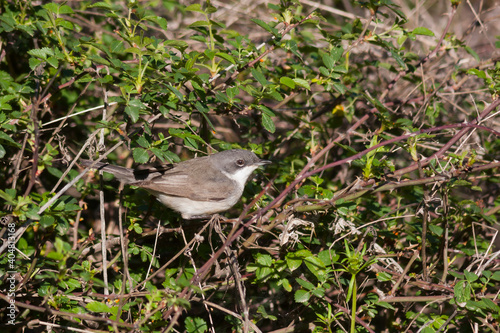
125,175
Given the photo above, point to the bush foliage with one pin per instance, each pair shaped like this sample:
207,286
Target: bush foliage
378,214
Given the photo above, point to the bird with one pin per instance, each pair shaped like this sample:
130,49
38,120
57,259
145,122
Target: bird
195,188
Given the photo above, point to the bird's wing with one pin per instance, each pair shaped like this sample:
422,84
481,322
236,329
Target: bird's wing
180,182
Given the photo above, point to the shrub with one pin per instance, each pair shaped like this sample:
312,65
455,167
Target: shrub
378,213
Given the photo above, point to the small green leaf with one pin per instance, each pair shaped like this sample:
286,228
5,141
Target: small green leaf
398,59
306,284
100,307
46,221
471,277
259,77
268,123
339,87
302,83
316,266
263,25
7,139
336,53
132,112
41,53
436,229
232,92
480,74
140,155
264,259
328,61
386,305
488,304
286,284
195,325
384,277
422,31
102,5
302,296
176,92
287,82
194,8
293,262
199,24
51,7
226,56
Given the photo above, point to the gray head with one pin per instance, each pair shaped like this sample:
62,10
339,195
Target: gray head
237,164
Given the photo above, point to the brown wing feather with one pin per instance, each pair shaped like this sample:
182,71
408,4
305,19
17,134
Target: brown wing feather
182,181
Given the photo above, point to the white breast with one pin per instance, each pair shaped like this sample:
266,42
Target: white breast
191,208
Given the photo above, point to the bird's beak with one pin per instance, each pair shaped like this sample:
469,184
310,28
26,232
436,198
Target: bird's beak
263,162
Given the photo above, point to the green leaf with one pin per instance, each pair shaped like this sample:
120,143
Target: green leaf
386,305
7,139
263,25
268,123
302,296
336,53
194,8
41,53
303,83
162,22
306,284
226,56
190,143
133,108
176,92
259,77
140,155
462,292
132,112
376,103
316,266
264,259
490,305
436,229
496,276
265,110
292,261
195,325
479,73
384,277
470,276
339,87
398,59
46,221
328,61
263,273
199,24
101,5
286,284
51,7
284,80
34,63
98,59
472,53
422,31
53,62
99,307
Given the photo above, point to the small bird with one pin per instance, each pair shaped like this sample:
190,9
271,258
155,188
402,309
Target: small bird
196,188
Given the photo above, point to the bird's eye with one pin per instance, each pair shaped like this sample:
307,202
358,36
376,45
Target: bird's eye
240,163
